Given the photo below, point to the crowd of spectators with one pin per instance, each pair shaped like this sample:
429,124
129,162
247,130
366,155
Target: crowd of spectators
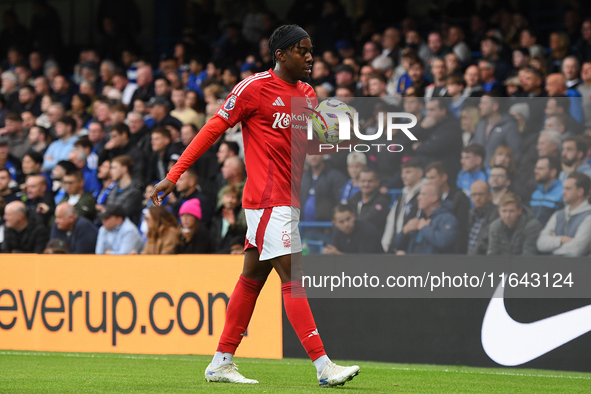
501,165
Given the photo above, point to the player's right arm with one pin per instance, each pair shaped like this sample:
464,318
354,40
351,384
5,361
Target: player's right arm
239,105
200,144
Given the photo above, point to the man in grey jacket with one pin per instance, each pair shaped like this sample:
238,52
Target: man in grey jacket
516,231
496,128
568,232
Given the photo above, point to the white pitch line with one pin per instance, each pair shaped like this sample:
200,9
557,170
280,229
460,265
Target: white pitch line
254,361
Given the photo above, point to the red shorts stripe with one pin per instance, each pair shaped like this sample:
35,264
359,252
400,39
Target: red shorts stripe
260,237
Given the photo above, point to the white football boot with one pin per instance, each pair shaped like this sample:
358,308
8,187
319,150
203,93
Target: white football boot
334,375
227,373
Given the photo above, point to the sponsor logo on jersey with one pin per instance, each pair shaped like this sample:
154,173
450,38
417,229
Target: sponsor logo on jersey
230,103
281,120
278,102
223,114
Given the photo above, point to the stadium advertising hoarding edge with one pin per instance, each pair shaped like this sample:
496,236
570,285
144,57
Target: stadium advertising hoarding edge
129,304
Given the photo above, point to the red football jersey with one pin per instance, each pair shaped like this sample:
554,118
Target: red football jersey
274,137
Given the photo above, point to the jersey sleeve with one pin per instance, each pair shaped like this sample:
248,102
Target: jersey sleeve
240,104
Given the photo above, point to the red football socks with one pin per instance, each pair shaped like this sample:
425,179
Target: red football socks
301,319
239,312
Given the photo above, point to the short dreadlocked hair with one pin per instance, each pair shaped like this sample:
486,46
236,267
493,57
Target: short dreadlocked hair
277,35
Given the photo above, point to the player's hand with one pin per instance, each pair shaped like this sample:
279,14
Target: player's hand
165,187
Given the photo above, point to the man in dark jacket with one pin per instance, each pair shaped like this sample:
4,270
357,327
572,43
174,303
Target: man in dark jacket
516,231
481,216
321,190
371,205
436,174
78,232
440,138
496,128
22,235
435,232
351,235
119,144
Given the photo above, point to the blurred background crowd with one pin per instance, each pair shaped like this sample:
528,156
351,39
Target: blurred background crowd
501,91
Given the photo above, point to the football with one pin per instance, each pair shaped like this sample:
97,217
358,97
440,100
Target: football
325,121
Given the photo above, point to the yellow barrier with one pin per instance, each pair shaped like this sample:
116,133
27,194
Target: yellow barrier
129,304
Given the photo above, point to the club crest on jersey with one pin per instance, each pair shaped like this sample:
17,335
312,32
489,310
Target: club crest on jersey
286,239
230,103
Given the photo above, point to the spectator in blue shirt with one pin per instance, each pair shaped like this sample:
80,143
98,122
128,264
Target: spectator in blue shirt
59,149
472,159
574,154
547,198
118,235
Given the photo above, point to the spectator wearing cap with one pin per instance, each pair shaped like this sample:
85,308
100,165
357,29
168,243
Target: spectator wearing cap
159,111
547,198
228,221
370,204
187,188
163,231
59,149
13,132
76,231
356,162
568,232
119,144
194,236
127,193
22,235
118,234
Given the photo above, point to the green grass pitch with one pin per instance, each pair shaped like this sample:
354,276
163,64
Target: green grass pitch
29,372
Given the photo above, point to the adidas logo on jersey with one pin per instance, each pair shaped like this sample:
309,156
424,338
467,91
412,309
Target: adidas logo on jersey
279,102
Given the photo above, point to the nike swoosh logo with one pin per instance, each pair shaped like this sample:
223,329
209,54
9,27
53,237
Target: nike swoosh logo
510,343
